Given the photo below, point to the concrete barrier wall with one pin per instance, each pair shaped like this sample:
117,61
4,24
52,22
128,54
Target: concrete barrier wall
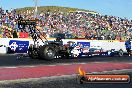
104,44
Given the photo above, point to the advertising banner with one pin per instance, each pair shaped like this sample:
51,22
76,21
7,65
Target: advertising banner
84,44
19,46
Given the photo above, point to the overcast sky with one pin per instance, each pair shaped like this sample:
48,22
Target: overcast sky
121,8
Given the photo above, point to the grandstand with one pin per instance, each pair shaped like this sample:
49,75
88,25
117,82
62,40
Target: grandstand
76,23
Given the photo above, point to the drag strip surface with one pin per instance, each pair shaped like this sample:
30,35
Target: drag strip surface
12,68
11,60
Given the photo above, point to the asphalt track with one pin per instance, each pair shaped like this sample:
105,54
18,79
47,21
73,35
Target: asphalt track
12,68
11,60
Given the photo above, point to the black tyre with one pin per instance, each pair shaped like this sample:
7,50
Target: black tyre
90,55
47,52
32,53
120,53
56,49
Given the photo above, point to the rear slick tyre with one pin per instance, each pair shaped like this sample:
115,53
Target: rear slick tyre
47,52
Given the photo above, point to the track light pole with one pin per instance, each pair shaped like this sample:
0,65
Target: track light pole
36,8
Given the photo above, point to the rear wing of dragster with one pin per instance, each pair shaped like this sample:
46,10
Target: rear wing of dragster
32,28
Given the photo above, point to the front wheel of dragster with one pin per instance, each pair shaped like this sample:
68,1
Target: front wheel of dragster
47,52
120,53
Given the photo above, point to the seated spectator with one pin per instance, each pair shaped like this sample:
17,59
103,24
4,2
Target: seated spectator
15,34
23,34
8,35
0,36
79,25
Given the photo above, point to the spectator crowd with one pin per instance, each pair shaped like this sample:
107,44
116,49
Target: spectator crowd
72,24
